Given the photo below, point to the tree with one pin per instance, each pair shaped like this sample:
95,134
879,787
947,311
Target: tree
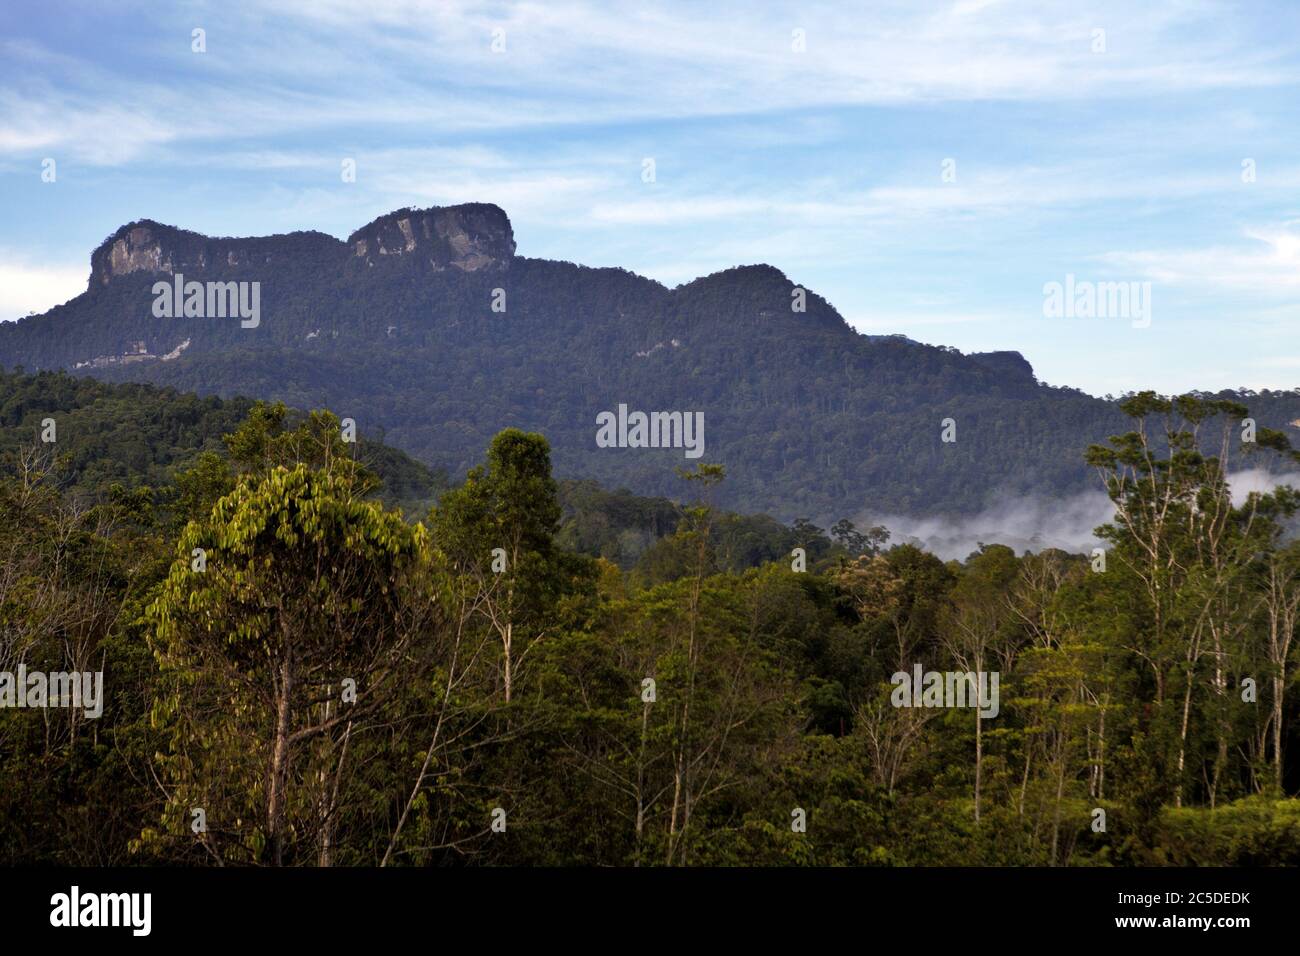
1177,531
283,645
977,629
498,530
856,542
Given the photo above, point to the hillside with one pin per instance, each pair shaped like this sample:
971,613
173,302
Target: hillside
141,436
395,327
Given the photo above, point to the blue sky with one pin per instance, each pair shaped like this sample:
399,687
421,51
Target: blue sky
1122,163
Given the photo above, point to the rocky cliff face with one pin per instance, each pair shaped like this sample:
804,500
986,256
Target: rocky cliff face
475,237
1013,365
151,247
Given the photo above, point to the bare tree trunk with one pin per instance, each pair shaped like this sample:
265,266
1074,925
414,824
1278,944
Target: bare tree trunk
1024,779
640,782
672,820
1182,741
279,764
327,825
1277,730
1220,690
1101,756
1060,793
979,760
506,640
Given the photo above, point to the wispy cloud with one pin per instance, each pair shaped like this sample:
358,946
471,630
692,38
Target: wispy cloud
1268,264
30,287
824,161
316,64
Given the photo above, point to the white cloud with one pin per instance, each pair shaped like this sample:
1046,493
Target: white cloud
27,287
62,126
687,59
1269,265
316,64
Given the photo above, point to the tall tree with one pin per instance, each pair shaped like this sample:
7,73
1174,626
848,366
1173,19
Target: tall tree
498,530
280,633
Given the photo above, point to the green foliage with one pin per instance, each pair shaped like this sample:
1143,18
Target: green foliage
626,681
142,437
806,413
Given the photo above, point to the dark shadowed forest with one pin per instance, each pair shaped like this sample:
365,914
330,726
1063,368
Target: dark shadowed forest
316,652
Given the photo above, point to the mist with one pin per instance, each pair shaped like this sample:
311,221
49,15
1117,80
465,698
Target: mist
1035,523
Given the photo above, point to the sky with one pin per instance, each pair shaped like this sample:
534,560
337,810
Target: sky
929,168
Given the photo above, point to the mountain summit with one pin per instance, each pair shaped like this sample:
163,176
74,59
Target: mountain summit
429,330
152,248
471,237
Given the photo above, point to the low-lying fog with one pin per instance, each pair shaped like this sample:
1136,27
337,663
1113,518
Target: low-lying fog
1033,523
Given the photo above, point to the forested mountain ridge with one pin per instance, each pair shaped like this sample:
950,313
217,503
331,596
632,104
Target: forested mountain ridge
93,436
428,329
112,440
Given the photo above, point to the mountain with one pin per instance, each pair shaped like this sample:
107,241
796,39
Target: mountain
141,435
131,436
428,330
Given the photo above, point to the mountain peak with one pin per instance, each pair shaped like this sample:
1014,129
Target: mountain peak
1011,364
758,272
472,237
142,245
153,247
397,326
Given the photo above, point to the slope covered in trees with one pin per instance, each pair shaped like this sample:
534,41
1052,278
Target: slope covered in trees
140,437
296,673
436,350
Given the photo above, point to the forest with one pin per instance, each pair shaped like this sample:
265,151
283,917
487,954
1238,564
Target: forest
810,417
316,652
